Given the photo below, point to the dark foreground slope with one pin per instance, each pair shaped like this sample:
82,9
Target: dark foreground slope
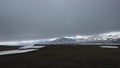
3,47
65,56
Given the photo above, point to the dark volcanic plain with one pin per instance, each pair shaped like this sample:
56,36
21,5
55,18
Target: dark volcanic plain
64,56
4,47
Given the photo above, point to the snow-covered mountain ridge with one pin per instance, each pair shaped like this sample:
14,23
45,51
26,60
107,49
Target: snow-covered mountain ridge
110,37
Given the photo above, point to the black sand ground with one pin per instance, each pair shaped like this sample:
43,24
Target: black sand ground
64,56
3,47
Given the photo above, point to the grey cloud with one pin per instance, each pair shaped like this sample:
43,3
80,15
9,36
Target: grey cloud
33,19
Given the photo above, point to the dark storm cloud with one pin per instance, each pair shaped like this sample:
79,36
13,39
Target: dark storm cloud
32,19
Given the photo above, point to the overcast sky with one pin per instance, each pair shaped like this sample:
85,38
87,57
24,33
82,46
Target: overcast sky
37,19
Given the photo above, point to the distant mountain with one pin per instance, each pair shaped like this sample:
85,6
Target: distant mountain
63,40
105,38
111,37
113,41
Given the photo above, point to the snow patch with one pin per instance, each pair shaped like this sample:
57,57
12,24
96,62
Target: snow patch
31,46
109,46
16,51
21,51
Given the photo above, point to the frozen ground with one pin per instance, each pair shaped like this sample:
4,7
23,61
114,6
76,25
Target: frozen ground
26,49
30,47
15,51
109,46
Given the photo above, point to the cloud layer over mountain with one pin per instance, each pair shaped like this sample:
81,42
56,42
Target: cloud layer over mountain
34,19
